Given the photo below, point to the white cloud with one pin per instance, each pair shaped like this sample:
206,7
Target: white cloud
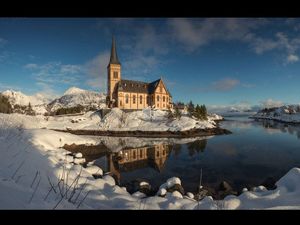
31,66
226,84
292,58
3,42
269,103
96,70
194,33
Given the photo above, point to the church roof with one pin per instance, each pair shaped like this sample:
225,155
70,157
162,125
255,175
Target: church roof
138,86
113,54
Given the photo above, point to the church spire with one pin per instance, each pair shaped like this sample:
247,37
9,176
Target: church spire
113,55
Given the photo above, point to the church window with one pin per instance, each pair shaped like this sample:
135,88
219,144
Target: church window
141,99
147,99
134,155
120,102
157,154
157,98
167,99
126,98
115,74
133,101
164,98
141,153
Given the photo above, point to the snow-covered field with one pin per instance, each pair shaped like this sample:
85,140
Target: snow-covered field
35,173
289,113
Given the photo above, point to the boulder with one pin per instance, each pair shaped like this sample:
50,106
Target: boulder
79,161
78,155
162,192
176,187
145,187
190,195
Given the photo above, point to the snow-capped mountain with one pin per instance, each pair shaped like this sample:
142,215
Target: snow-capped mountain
76,96
18,98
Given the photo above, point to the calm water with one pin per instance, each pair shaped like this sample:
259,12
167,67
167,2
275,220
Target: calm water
256,150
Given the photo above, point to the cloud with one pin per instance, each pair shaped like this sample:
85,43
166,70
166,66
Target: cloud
292,58
3,42
269,103
31,66
194,33
226,84
96,72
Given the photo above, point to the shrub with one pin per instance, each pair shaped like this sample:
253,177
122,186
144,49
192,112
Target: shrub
71,110
5,106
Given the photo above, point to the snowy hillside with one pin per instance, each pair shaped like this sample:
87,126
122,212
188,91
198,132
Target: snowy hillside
75,96
287,113
18,98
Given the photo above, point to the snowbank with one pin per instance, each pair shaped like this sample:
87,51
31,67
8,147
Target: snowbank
289,114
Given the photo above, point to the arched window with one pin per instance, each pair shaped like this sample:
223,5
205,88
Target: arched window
133,100
126,98
157,98
147,99
120,102
164,98
141,99
115,75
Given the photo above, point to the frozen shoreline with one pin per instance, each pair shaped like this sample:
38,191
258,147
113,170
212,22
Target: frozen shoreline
32,155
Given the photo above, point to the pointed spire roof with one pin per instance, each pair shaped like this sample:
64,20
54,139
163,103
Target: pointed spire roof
113,55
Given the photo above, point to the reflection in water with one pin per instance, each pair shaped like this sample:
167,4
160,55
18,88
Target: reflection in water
132,159
254,151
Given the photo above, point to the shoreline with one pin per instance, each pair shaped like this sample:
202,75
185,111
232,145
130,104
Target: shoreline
274,119
151,134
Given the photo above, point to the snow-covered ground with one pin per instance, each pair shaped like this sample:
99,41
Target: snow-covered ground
35,173
288,113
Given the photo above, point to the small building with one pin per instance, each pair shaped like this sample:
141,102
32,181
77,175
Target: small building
130,94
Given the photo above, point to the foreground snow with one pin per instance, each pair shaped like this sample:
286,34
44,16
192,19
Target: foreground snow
32,161
289,113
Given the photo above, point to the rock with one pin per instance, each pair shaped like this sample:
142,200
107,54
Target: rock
224,186
245,190
172,181
94,170
79,161
78,155
176,187
145,188
109,179
69,166
190,195
269,183
68,158
139,194
162,192
174,194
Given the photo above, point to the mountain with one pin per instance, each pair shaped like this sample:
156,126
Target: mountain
18,98
76,96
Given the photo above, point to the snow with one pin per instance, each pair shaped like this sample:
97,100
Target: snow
32,158
190,195
17,97
172,181
288,113
78,155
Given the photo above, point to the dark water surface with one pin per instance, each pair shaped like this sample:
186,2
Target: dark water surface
254,151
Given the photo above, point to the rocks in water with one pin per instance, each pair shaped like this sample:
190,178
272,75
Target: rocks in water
162,192
94,170
79,161
78,155
190,195
176,187
145,187
225,189
172,181
224,186
269,183
139,194
109,179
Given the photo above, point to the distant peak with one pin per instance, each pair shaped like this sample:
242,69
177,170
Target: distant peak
74,90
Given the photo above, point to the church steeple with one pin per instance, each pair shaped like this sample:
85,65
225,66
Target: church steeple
113,55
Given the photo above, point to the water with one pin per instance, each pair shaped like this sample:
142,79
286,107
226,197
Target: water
254,151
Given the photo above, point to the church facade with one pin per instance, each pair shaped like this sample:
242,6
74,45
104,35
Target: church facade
130,94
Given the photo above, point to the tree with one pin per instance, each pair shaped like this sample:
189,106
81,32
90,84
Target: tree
200,112
170,114
177,113
29,110
5,106
191,108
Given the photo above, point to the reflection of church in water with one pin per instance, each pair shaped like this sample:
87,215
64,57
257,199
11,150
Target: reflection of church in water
131,159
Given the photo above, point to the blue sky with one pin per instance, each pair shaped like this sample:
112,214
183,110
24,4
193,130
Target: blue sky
220,62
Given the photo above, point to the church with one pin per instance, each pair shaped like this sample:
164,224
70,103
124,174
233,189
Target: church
130,94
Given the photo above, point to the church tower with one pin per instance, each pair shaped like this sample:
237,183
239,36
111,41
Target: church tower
113,75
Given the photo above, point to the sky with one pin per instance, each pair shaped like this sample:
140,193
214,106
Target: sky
220,62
